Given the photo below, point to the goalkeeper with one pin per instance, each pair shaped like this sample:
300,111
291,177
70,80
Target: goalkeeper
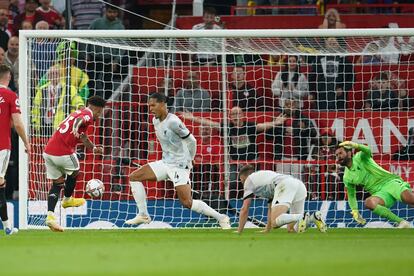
384,187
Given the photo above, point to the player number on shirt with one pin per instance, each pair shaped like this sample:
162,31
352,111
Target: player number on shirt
65,124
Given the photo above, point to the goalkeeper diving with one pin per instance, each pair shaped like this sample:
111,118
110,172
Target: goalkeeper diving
384,187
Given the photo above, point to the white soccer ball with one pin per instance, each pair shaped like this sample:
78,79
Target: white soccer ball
95,188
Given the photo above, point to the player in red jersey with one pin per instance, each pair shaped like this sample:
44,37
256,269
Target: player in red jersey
62,165
9,115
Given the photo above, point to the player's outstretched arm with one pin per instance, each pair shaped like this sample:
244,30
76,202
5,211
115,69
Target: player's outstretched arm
269,218
244,212
354,205
89,145
19,126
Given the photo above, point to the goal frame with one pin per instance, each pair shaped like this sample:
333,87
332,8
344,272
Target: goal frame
24,55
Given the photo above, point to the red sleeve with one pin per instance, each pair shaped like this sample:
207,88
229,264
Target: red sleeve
14,104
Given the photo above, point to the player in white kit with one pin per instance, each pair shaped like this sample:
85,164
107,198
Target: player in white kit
284,193
178,151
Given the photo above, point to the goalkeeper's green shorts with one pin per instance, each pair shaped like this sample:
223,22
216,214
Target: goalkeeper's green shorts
391,191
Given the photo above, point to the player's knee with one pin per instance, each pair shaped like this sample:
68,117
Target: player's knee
370,203
136,176
187,203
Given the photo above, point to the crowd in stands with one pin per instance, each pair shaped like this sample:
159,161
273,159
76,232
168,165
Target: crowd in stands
324,86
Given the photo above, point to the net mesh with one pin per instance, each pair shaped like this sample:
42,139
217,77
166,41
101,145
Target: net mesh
281,104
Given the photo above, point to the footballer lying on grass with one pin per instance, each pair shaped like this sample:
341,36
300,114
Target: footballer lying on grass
385,188
284,193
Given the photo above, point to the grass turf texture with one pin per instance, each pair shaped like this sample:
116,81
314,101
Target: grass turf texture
207,252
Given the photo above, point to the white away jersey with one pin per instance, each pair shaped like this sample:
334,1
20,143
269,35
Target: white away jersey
170,134
263,183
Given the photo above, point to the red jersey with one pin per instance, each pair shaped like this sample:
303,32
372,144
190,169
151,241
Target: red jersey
209,153
9,104
63,142
49,16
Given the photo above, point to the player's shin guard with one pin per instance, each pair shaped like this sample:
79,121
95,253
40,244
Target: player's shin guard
202,208
287,218
3,204
70,184
140,196
386,213
53,197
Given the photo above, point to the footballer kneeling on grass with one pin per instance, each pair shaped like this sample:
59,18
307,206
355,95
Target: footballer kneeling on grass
62,165
284,193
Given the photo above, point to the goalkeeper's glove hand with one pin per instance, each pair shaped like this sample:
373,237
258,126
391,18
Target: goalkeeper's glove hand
357,216
349,145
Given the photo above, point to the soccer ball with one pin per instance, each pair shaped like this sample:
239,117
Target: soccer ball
95,188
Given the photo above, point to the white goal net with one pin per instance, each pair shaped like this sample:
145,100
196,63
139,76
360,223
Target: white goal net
279,100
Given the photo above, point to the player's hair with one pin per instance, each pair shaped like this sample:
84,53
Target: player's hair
160,98
247,169
4,69
96,101
345,148
210,10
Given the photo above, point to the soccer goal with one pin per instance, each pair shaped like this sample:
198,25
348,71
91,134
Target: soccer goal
277,99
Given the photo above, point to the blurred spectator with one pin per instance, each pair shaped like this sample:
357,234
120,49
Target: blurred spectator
332,20
51,16
13,12
324,150
381,50
50,102
331,77
4,21
43,53
291,137
29,14
399,86
12,84
85,12
206,171
243,94
381,97
27,25
104,63
4,39
78,78
242,140
210,45
407,152
192,98
290,83
12,58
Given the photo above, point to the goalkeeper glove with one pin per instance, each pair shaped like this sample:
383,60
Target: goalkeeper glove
349,145
357,216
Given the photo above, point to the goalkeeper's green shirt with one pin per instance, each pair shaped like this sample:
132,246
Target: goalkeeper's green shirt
367,173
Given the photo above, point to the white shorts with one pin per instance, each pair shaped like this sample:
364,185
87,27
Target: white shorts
291,192
4,161
164,171
57,166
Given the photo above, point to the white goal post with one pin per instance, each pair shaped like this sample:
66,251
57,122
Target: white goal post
179,62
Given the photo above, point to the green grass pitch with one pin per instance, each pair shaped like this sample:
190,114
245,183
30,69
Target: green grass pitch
208,252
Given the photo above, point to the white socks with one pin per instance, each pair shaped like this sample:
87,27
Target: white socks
6,224
287,218
202,208
140,196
